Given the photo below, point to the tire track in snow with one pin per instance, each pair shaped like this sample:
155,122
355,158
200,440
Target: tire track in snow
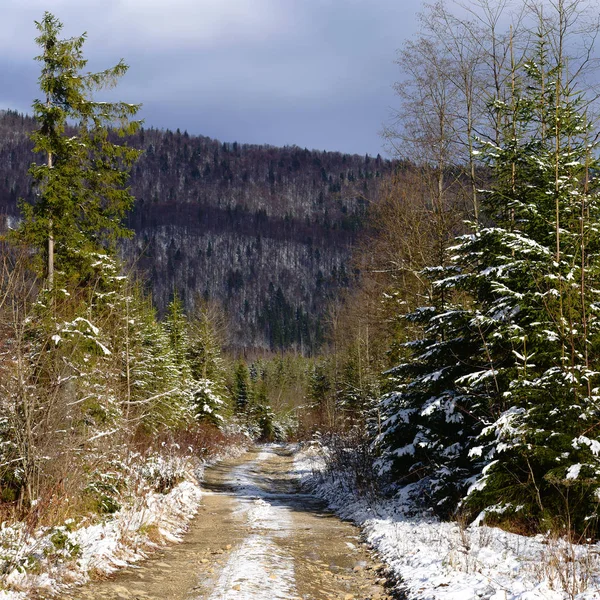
259,563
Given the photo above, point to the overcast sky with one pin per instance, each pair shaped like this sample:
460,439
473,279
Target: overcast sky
315,73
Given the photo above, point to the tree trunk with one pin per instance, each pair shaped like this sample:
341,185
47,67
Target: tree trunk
50,241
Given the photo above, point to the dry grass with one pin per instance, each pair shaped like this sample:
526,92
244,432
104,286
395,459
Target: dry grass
62,489
350,458
569,568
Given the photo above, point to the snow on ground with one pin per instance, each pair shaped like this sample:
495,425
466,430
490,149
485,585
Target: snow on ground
259,558
257,505
256,561
444,561
30,559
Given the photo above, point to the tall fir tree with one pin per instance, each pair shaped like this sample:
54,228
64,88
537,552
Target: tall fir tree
541,268
81,185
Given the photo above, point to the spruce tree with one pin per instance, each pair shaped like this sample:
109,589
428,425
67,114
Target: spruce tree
241,388
176,324
81,185
500,390
428,421
207,366
542,273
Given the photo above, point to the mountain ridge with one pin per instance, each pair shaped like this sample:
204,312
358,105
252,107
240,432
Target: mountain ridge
265,231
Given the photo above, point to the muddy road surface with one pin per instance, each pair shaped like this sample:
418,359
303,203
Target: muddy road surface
256,537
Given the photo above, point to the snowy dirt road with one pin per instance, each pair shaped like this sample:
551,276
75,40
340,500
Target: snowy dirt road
256,537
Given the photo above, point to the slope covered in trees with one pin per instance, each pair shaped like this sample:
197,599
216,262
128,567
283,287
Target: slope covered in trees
265,231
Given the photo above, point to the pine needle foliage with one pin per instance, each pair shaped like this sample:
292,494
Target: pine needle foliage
82,194
543,275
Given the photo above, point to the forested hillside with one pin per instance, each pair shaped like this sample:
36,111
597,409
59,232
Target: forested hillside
265,231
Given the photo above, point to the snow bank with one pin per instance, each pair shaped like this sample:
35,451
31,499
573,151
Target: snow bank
51,559
443,561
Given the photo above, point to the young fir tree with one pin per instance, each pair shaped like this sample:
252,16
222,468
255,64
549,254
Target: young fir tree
207,367
158,402
241,388
261,411
82,195
428,422
176,325
319,388
176,328
149,375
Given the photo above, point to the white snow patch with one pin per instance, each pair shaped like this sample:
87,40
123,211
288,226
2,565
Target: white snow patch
257,561
442,561
582,440
573,471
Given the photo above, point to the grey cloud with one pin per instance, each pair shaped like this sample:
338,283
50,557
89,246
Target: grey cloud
317,73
